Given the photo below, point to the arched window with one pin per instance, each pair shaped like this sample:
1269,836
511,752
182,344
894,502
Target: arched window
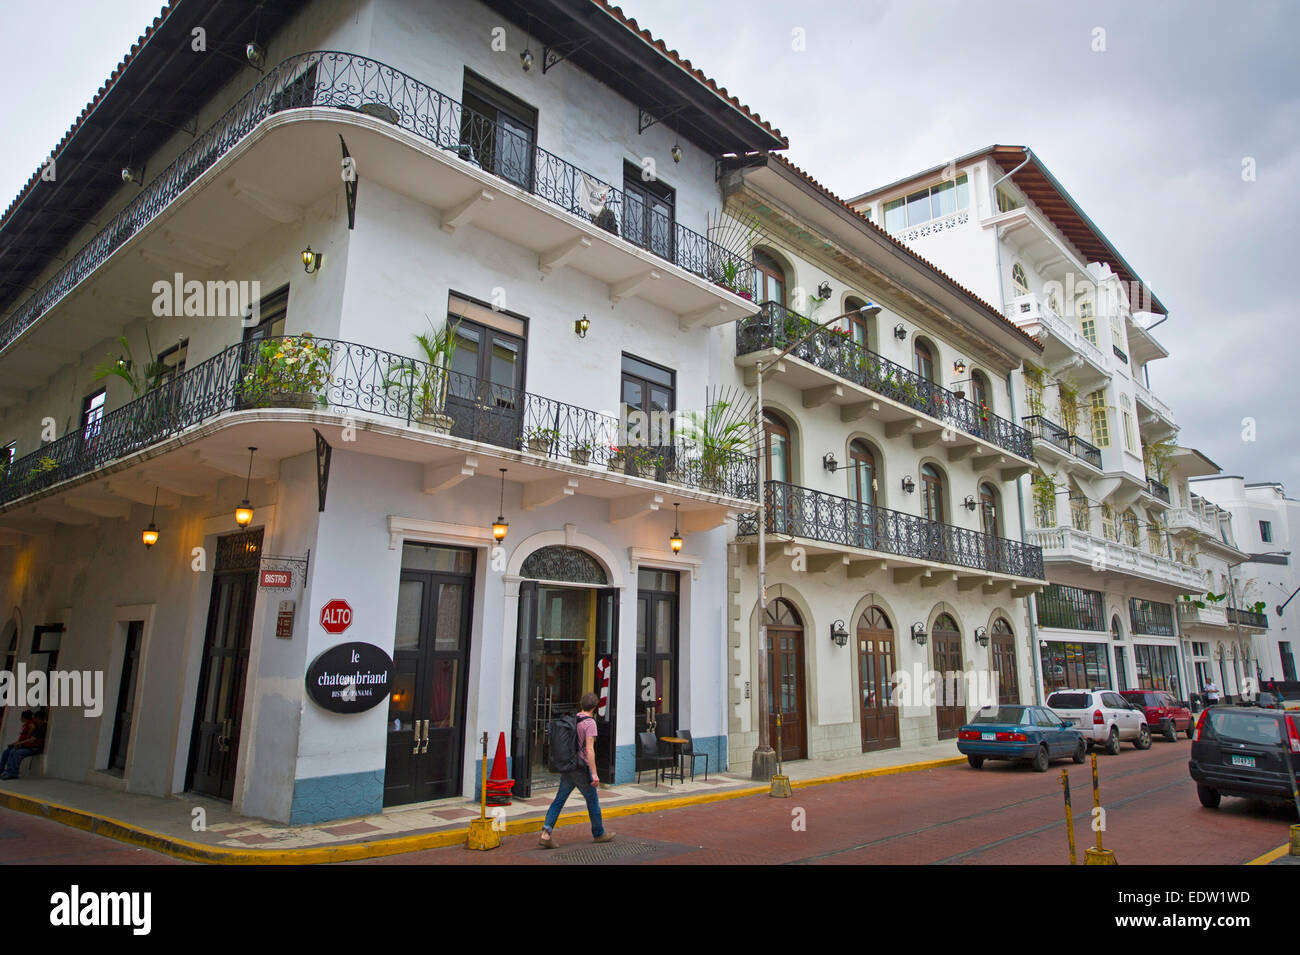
563,563
923,359
776,436
858,327
980,393
782,613
1018,279
1002,646
932,493
862,474
1131,529
769,278
989,518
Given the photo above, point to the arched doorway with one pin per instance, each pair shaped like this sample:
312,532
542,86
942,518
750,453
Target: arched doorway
1121,658
862,489
785,679
1002,644
875,681
778,474
566,645
859,330
769,278
950,711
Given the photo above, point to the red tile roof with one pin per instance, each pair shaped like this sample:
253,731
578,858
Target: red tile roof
993,312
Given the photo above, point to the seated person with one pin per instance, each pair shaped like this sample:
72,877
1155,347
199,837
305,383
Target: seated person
30,743
25,732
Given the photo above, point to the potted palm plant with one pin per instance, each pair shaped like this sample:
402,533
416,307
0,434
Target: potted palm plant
718,435
287,372
427,381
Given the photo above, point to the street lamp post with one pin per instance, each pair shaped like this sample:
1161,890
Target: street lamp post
764,761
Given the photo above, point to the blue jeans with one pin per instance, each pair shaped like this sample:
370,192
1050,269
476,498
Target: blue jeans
12,759
580,780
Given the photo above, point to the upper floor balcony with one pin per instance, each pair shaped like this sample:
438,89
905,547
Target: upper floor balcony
1153,414
829,368
1211,615
453,424
841,532
479,171
1105,556
1157,490
1064,346
1248,619
1201,517
1053,442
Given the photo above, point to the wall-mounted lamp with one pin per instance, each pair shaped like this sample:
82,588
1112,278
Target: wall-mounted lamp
970,503
919,634
908,484
839,633
677,152
255,54
824,290
149,536
311,261
675,542
500,526
244,513
581,325
959,367
526,59
133,174
982,636
900,332
829,462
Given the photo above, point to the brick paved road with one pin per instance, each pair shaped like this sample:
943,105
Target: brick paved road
26,839
1003,813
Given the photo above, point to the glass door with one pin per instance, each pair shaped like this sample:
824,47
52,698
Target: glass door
485,394
648,216
656,655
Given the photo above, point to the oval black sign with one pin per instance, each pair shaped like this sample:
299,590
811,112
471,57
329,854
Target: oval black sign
350,678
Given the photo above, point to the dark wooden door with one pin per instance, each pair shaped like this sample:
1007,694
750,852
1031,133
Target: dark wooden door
218,712
1003,647
875,682
485,388
126,697
785,694
427,707
949,708
656,655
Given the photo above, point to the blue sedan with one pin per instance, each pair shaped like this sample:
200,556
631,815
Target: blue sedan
1034,733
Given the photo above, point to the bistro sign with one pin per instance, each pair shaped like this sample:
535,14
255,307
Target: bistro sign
350,678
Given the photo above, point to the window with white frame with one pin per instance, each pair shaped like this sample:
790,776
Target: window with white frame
941,199
1130,435
1006,201
1019,280
1088,322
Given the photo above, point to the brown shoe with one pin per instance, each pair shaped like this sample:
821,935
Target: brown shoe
545,841
604,837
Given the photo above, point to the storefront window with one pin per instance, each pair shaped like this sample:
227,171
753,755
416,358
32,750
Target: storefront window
1157,668
1076,666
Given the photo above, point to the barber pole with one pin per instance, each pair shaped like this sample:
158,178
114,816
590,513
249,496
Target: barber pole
602,676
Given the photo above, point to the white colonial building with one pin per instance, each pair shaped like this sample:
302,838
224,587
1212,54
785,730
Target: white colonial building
1109,471
531,190
891,453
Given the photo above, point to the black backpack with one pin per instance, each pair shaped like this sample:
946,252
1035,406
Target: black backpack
565,757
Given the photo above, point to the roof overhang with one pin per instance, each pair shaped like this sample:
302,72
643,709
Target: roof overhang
1192,463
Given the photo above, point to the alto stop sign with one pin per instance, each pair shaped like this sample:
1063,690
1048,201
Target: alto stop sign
336,616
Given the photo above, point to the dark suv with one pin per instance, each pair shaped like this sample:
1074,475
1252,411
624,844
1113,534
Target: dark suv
1245,751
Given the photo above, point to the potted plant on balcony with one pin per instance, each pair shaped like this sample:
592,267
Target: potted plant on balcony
644,462
606,220
44,465
140,380
720,434
580,451
729,280
287,372
542,440
617,460
427,381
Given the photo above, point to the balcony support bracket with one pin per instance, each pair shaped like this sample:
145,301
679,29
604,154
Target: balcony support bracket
441,477
905,575
544,493
552,259
861,568
633,506
858,410
630,286
816,397
464,213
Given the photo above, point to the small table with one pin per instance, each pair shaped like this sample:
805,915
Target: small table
676,741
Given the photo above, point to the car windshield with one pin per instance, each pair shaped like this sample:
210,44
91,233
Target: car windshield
1069,701
1246,727
1002,714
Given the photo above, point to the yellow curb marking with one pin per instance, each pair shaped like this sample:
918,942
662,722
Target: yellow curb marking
1272,854
400,845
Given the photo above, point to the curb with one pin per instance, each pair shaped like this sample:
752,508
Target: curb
1272,854
399,845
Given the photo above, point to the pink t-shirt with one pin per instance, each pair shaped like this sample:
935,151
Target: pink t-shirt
586,731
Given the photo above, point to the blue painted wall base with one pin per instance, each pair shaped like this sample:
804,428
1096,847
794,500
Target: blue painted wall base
322,798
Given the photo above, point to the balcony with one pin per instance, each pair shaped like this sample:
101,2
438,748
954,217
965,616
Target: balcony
378,97
1190,615
866,531
443,419
1157,412
1157,490
1197,518
1059,444
1063,345
1248,618
1067,544
906,402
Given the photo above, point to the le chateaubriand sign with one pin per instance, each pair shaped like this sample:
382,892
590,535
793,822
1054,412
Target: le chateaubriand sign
350,678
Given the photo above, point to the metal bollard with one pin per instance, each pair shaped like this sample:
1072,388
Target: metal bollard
1097,855
481,833
1069,816
780,782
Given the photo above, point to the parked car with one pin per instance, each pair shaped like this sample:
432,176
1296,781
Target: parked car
1033,733
1103,716
1245,751
1163,711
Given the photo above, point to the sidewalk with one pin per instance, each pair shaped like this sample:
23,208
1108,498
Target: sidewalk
167,824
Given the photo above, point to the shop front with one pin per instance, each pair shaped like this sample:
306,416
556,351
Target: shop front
1074,665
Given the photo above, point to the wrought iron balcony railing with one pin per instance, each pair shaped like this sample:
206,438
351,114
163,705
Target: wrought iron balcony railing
1248,618
814,515
775,326
1157,490
1055,434
345,378
346,81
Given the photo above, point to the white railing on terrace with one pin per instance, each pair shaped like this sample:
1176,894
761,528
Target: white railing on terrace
1066,543
1145,396
1191,615
1032,308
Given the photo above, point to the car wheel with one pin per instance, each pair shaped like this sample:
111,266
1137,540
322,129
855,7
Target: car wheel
1208,797
975,761
1191,730
1080,752
1144,738
1112,741
1171,732
1040,760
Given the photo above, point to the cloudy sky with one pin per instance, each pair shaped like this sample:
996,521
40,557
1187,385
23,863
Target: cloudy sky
1149,137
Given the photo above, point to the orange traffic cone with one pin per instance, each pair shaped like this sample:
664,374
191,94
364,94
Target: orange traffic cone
498,784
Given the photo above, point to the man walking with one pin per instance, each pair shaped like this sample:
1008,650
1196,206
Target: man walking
585,778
